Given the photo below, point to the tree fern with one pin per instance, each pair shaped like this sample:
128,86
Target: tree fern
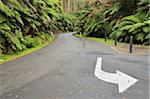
132,25
22,22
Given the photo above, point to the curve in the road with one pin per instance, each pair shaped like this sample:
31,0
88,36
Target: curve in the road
65,70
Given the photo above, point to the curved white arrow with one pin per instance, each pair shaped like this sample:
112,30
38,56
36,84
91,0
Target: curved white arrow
123,80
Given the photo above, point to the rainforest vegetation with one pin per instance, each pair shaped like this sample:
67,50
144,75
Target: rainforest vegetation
26,24
118,19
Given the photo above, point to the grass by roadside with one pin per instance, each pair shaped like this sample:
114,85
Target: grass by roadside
5,58
109,42
121,47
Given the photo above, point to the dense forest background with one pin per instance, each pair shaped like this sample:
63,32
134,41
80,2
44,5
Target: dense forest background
27,23
116,19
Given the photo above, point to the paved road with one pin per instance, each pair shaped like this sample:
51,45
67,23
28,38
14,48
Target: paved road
68,72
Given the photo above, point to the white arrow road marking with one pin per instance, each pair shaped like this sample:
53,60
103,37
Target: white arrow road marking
123,80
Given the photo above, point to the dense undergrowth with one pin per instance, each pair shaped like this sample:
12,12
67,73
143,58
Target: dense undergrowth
118,20
28,23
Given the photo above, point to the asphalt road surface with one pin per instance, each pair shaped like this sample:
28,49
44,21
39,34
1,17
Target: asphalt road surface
68,66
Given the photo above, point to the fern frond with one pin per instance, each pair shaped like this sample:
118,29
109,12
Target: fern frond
146,29
4,26
5,9
126,27
132,18
136,26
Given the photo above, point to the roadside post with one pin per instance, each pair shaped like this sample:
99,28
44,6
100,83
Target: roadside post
116,41
131,44
105,36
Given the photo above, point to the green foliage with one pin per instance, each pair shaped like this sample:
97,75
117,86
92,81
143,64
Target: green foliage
29,41
120,20
136,25
65,22
28,23
90,21
143,9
